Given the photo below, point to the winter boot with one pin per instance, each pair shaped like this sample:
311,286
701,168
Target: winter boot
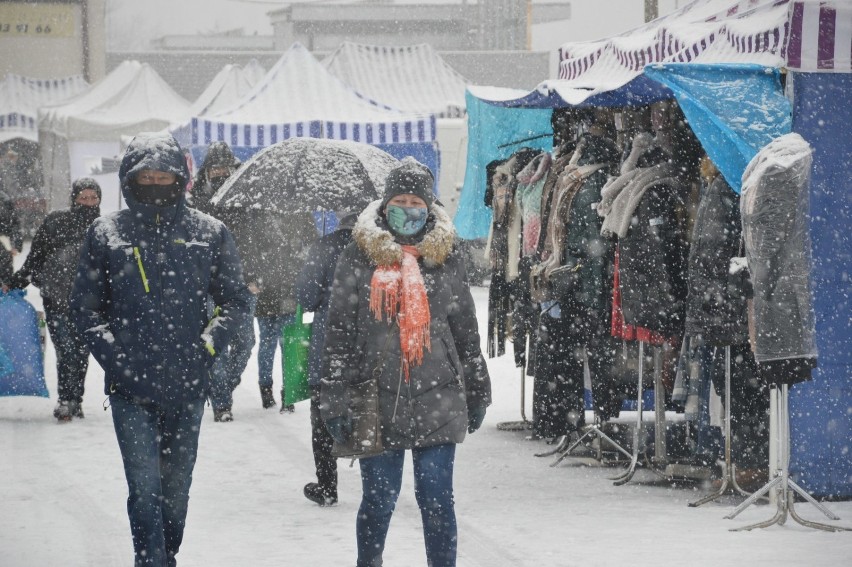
77,410
287,408
223,415
322,496
63,410
266,397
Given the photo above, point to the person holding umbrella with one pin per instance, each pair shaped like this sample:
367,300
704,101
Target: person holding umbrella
402,314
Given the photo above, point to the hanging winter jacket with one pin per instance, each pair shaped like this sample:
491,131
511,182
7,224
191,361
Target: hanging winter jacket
716,305
653,256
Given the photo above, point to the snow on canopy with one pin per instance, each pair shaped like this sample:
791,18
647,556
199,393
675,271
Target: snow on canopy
413,78
299,97
77,136
132,98
21,97
227,88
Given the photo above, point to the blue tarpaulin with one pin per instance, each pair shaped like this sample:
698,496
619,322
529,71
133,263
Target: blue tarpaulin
734,109
494,133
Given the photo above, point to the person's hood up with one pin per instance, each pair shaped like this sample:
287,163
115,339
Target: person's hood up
218,153
157,151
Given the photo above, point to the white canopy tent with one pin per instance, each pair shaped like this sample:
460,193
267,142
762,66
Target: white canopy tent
21,97
227,88
299,97
76,136
413,78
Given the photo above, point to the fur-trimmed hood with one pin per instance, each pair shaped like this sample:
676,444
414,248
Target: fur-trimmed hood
377,242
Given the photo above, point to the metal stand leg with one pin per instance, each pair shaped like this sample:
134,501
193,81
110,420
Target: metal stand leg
783,485
628,473
660,452
729,479
524,424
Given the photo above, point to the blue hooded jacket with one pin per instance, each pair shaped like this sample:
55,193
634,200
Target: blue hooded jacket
140,295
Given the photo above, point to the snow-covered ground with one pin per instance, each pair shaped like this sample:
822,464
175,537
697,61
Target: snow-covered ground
62,498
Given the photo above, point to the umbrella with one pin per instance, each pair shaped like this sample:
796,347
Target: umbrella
308,175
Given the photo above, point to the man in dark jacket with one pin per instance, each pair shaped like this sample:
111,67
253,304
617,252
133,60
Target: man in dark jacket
313,292
140,300
50,266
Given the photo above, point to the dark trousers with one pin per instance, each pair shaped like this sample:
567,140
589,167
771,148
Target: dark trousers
72,354
558,389
749,404
321,442
158,448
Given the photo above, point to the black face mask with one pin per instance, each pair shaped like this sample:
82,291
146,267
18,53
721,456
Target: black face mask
216,182
159,195
85,212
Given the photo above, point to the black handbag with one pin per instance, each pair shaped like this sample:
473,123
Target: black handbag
366,437
365,440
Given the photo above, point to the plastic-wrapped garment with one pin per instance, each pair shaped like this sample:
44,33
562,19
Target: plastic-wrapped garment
774,210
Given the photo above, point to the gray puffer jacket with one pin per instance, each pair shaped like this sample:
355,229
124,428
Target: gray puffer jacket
432,407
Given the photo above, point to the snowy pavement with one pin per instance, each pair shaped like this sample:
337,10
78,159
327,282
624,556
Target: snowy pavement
62,498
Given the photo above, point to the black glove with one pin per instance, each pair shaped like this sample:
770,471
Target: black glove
340,428
475,417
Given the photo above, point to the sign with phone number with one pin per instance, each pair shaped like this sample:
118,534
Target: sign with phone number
36,20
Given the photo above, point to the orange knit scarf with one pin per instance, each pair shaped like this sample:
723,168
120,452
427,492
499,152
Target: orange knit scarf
398,291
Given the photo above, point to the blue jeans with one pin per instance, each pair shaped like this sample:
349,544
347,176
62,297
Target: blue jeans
158,448
270,338
227,371
72,354
381,480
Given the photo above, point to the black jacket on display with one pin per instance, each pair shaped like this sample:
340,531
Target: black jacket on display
716,306
653,260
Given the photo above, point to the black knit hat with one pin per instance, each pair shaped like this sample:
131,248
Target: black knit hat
83,183
410,177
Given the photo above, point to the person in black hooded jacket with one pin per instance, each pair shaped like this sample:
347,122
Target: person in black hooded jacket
50,266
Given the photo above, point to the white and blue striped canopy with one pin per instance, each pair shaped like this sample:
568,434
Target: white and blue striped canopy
21,97
298,97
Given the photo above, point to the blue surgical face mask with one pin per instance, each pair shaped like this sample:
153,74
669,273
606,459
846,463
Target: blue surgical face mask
406,221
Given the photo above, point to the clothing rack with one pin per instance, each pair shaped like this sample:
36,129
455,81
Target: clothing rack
783,486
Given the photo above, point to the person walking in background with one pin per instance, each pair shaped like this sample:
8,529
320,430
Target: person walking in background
11,238
313,291
218,165
140,300
51,265
277,250
401,313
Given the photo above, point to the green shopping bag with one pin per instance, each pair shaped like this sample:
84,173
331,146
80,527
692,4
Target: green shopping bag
296,338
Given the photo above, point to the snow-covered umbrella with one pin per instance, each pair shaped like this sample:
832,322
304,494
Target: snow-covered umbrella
308,175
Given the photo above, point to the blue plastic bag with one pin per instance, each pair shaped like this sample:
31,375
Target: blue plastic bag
22,372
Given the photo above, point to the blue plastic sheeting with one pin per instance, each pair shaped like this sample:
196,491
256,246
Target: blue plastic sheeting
494,133
821,422
20,348
640,91
734,110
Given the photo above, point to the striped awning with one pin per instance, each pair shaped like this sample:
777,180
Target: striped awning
820,36
21,97
298,97
703,31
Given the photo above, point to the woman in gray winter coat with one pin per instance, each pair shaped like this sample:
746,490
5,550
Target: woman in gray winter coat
401,312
